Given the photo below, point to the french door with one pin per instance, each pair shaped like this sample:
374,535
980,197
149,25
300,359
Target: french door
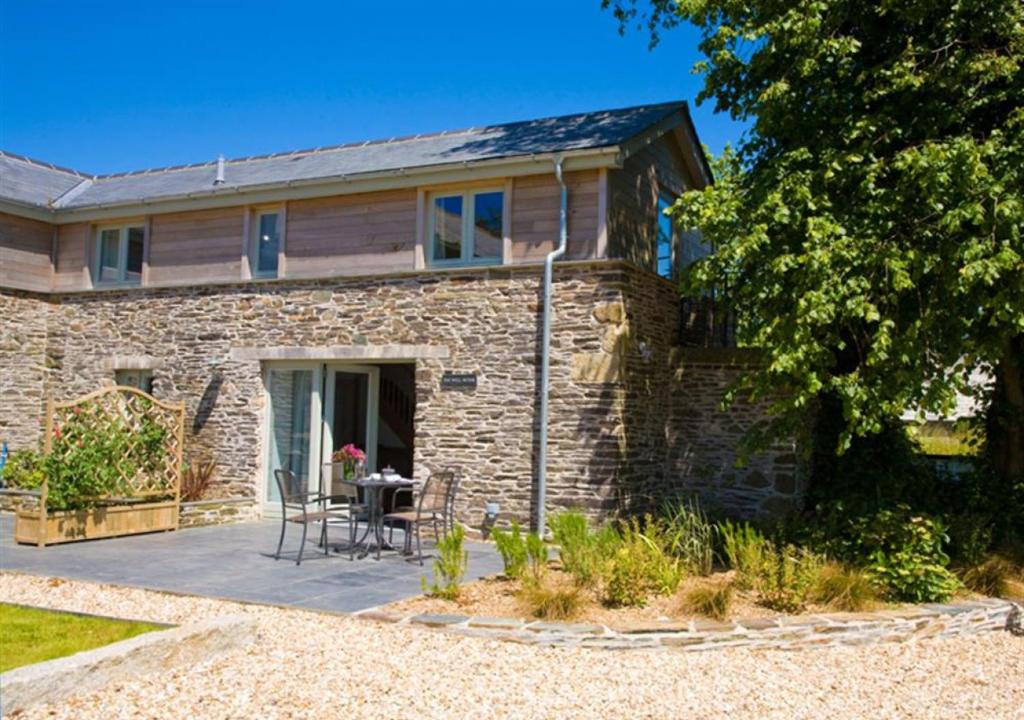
313,410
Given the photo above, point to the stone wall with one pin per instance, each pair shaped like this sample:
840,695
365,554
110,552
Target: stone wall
785,632
676,438
628,421
24,318
217,512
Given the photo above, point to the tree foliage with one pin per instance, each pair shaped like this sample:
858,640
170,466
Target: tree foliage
868,228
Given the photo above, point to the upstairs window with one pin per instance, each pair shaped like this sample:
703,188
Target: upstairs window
666,241
266,244
119,252
466,228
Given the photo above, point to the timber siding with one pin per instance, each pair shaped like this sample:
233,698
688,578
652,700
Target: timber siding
358,234
658,169
25,253
196,247
73,253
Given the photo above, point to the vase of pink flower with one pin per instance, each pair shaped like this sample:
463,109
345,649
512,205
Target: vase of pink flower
351,459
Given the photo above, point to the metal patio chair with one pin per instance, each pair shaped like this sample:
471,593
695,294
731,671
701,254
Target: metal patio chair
435,506
311,509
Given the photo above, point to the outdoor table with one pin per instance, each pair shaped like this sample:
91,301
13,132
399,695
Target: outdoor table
373,492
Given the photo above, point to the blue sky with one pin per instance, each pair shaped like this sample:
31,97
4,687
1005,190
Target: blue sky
106,87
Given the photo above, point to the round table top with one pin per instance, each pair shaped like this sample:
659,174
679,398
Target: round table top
381,482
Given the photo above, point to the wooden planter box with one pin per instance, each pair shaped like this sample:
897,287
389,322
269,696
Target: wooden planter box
62,526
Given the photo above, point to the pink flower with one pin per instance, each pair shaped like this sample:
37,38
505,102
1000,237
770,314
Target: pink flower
349,453
56,431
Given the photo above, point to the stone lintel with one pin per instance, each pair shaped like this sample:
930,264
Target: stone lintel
342,352
132,362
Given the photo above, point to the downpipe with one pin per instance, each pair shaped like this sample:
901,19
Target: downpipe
545,357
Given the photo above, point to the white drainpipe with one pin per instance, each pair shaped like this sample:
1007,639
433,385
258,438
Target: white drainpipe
545,358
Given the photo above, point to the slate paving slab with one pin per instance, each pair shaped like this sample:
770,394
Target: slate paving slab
235,562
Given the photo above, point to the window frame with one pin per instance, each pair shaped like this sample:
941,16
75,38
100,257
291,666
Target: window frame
662,204
254,242
465,258
123,230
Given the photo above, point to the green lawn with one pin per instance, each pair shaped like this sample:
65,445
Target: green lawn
28,635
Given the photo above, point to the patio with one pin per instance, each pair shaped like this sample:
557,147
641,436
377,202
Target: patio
235,562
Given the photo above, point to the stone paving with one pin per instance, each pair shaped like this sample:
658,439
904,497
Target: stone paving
235,562
785,632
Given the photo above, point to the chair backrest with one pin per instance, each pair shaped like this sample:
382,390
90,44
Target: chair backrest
434,498
293,492
453,489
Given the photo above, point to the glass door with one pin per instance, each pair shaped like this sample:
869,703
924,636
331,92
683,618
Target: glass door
351,410
293,427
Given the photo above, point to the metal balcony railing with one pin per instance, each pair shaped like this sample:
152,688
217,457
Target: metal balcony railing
704,322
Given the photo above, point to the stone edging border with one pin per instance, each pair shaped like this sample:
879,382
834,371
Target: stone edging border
149,653
786,633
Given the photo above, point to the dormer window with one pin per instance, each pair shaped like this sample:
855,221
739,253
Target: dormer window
466,228
119,252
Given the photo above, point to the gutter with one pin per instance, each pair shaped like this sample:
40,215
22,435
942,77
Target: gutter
545,367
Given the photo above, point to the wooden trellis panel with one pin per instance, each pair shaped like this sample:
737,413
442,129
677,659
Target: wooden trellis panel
141,475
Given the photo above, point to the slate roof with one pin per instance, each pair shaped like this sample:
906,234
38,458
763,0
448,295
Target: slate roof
33,182
29,181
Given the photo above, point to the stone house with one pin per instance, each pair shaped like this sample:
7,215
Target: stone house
390,294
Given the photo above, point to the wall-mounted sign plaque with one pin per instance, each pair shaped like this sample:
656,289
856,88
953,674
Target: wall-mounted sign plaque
458,381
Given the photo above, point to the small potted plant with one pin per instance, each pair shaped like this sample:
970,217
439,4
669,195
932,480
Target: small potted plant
351,459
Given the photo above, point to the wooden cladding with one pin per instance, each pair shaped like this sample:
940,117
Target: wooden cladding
535,216
25,253
352,234
345,235
196,247
658,169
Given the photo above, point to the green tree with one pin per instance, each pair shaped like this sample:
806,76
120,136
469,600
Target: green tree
868,226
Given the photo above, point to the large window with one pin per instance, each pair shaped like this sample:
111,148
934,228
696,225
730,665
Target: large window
266,244
466,228
119,252
666,241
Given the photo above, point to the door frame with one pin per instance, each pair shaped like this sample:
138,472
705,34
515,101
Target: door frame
272,508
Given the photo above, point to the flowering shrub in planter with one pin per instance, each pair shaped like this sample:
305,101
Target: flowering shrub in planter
93,457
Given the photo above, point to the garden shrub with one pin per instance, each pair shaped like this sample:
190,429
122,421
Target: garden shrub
641,566
903,554
24,470
584,552
786,576
196,477
537,556
993,576
89,459
711,600
450,565
843,588
512,547
551,601
970,537
744,549
690,536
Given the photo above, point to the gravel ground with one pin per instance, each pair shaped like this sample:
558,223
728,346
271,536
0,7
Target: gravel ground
305,664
